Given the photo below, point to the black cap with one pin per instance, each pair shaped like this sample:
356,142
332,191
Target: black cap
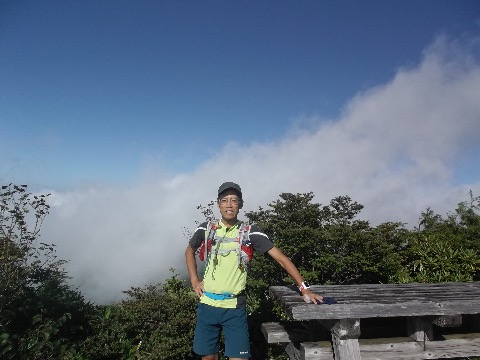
230,185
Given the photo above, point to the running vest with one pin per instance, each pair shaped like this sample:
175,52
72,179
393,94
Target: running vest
244,248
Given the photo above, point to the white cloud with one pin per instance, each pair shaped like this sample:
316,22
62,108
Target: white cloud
394,149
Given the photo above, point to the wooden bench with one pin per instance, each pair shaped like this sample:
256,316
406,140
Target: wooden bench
427,312
293,335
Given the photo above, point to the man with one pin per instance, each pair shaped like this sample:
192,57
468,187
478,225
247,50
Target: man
222,290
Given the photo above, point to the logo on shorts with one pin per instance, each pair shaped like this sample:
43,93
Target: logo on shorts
243,352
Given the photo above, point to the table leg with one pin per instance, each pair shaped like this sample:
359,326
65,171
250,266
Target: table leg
345,335
348,349
419,329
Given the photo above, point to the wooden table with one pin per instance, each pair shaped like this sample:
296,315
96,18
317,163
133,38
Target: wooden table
423,308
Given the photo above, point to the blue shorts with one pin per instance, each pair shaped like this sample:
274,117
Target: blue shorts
211,320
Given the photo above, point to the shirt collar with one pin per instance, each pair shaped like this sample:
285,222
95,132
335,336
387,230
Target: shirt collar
227,228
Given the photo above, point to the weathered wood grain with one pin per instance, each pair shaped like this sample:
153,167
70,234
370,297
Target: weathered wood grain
391,349
422,305
346,349
285,332
453,347
319,350
383,300
399,349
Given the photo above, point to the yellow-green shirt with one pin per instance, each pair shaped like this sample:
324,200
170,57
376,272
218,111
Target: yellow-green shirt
222,272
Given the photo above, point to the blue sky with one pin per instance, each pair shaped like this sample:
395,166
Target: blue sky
131,113
99,91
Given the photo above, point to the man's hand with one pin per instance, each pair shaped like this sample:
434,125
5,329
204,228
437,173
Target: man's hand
309,296
198,287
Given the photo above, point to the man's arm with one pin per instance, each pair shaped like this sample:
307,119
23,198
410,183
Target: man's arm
197,285
292,270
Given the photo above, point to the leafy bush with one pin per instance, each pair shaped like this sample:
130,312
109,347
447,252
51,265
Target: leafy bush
40,317
155,322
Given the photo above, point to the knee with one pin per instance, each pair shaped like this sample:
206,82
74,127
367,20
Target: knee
210,357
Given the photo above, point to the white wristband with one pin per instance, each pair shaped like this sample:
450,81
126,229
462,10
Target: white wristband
303,286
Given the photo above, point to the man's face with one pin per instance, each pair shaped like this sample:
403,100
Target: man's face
229,204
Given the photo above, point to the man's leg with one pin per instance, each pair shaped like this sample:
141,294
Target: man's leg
211,357
207,332
235,329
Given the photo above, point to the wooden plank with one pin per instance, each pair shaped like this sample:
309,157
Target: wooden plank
390,349
400,348
388,293
346,349
385,341
345,308
452,348
285,332
449,290
464,286
382,349
385,300
319,350
373,310
464,346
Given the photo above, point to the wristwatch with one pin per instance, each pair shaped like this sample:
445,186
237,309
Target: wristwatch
304,286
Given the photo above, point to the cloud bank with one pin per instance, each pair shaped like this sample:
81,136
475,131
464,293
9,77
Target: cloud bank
396,149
